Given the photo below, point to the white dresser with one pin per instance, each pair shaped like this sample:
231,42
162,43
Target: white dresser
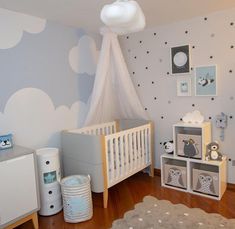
19,199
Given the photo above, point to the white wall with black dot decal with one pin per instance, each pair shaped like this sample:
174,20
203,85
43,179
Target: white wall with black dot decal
212,42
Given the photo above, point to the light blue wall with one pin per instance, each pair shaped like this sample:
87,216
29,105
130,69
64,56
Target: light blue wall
41,61
44,89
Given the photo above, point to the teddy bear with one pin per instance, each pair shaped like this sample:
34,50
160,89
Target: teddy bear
212,152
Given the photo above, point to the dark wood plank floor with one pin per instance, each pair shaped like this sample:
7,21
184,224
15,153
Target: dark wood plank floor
126,194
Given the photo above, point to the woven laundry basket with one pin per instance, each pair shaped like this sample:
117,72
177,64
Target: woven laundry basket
77,200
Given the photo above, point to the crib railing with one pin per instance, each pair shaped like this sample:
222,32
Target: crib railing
127,152
99,129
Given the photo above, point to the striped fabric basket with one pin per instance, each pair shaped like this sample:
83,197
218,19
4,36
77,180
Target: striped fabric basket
77,200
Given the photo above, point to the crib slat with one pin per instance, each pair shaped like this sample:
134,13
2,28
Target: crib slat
110,151
138,149
142,147
135,149
122,163
130,149
127,164
117,156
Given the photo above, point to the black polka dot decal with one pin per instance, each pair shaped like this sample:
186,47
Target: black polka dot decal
165,42
160,60
191,68
181,119
155,34
186,32
147,52
127,37
210,118
232,46
155,98
231,98
141,42
193,105
168,73
135,57
231,117
212,35
162,117
146,68
133,73
193,47
211,57
138,85
231,23
152,82
146,108
230,71
212,99
205,18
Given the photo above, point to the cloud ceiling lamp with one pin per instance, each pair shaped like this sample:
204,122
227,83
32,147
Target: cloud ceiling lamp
123,16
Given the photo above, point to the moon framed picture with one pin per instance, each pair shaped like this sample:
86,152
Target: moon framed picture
180,60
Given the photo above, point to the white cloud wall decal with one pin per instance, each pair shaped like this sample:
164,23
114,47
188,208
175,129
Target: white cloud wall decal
34,121
83,57
13,24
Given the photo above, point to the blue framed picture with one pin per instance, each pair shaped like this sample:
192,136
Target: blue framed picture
6,141
205,81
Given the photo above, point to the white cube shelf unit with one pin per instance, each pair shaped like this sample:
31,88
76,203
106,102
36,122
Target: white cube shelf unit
191,139
187,170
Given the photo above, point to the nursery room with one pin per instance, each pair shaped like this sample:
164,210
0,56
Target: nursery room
117,114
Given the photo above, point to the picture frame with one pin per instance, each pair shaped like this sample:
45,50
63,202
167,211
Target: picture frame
184,87
206,80
180,60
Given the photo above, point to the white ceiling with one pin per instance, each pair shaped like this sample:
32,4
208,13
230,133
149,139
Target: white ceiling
85,13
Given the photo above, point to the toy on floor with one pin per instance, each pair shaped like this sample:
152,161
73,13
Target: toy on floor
222,122
212,152
169,147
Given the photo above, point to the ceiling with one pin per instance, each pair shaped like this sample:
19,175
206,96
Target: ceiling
85,13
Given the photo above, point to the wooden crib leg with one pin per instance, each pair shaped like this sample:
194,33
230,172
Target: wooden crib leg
105,198
151,170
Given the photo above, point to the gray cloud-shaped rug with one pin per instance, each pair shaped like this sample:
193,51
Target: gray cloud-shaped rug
162,214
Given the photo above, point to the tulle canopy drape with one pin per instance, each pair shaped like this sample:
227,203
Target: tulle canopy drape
114,95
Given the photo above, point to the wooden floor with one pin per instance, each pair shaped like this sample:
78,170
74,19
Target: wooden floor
126,194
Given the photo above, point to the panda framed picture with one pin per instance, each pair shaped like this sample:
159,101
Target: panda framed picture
180,60
206,80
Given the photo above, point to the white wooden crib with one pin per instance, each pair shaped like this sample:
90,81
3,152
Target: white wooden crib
109,152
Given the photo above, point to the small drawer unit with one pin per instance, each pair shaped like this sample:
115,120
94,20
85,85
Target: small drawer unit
187,170
49,180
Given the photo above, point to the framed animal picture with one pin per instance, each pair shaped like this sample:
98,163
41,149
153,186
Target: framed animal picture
205,81
184,87
180,60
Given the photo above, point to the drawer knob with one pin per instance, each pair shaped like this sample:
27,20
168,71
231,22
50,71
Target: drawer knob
47,162
50,192
52,206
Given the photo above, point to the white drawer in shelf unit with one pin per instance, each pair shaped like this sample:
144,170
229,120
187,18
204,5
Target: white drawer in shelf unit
18,192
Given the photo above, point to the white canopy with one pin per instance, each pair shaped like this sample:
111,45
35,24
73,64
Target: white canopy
113,96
